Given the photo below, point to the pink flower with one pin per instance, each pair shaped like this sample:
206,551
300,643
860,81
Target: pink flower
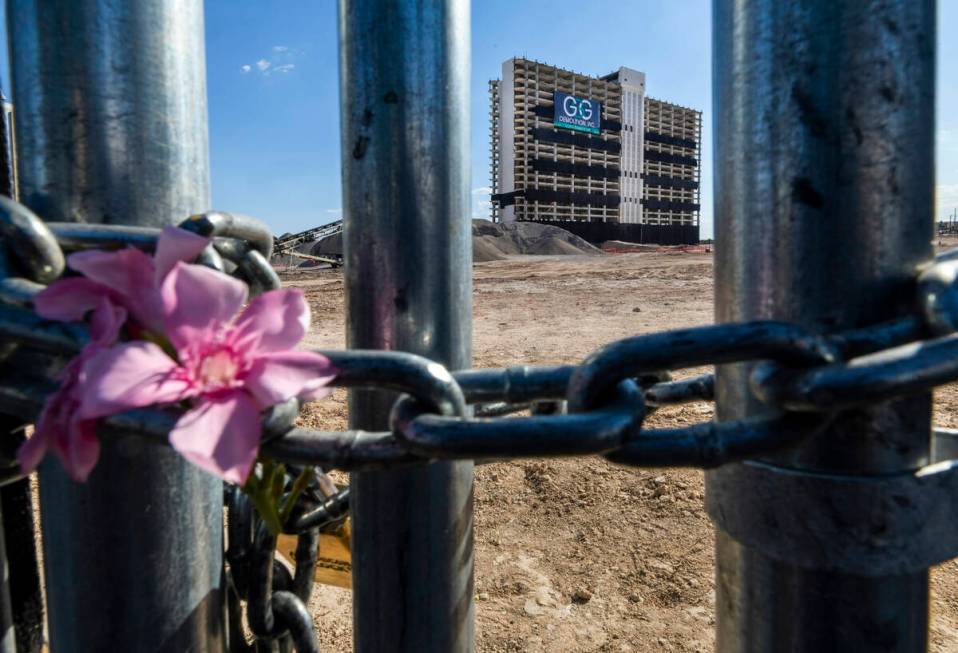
116,285
127,277
60,427
230,369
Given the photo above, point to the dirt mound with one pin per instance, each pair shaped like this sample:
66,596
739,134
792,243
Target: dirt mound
623,246
485,248
485,228
555,247
327,246
493,242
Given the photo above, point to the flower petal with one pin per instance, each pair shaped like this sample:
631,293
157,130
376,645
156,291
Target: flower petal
130,375
220,435
129,273
175,245
52,425
33,449
275,321
105,323
81,451
274,378
197,302
60,429
316,390
68,300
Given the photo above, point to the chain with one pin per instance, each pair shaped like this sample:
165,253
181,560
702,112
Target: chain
595,408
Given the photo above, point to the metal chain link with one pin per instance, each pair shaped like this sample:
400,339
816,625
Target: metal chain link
597,407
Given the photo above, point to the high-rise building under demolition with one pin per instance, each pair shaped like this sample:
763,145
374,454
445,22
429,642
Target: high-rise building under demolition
594,155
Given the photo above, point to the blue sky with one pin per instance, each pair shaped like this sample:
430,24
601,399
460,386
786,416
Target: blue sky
274,134
274,96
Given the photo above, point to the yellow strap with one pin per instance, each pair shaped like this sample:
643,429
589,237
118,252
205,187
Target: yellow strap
333,564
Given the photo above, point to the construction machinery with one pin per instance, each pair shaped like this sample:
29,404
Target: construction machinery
287,244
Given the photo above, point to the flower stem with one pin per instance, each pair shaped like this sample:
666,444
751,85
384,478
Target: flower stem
260,490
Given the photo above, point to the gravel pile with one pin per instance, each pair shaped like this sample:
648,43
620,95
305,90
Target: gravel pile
327,246
494,242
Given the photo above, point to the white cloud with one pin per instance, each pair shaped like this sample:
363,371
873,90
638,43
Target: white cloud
481,202
280,60
334,210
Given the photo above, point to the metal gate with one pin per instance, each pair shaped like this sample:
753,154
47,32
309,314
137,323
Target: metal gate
831,492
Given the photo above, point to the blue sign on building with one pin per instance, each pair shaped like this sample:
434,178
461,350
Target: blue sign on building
580,114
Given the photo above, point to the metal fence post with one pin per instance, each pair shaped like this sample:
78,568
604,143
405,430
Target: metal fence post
111,108
824,124
22,564
404,76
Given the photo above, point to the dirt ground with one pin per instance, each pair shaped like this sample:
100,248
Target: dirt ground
583,555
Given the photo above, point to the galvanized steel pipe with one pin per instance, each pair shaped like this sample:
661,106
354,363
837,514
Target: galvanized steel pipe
824,154
404,76
111,107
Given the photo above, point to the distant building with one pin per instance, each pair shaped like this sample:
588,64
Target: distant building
594,155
